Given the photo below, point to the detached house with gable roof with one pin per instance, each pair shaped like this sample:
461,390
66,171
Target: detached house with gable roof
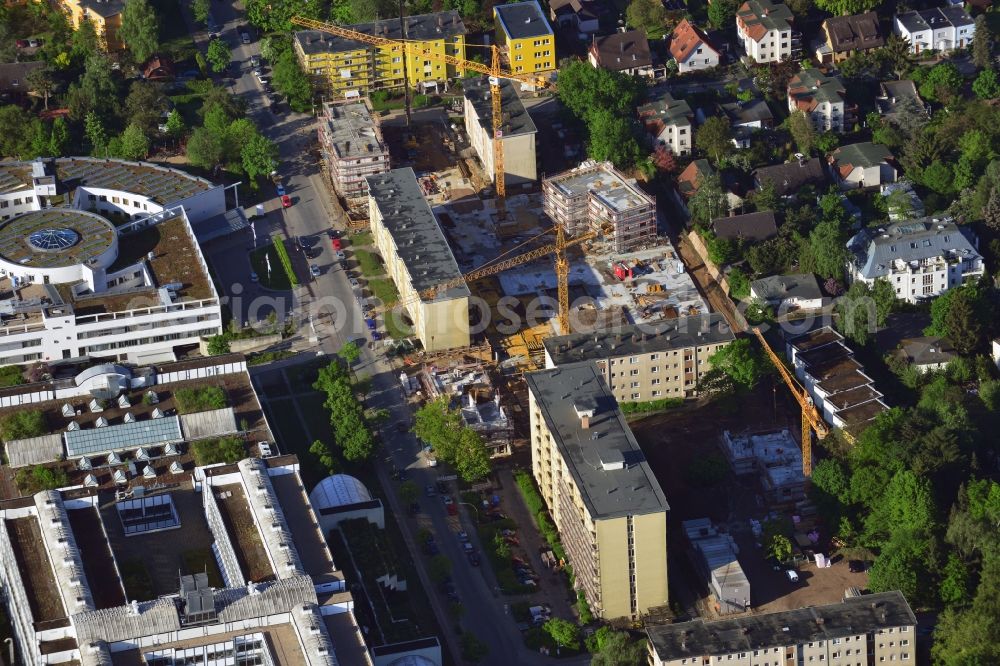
765,30
584,15
846,35
940,28
863,164
624,52
690,48
920,258
669,121
821,98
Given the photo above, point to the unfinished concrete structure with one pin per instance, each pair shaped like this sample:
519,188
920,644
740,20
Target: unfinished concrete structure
774,457
352,146
596,196
517,131
469,388
714,556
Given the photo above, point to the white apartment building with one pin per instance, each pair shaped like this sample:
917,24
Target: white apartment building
820,97
669,121
100,258
765,30
939,28
517,132
920,258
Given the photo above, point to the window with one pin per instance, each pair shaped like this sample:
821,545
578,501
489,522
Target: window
634,372
682,131
519,57
633,360
636,396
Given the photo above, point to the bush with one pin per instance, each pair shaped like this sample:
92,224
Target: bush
20,425
199,399
650,405
286,261
218,345
261,358
11,375
214,451
38,478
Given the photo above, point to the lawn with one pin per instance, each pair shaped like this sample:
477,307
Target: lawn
385,291
277,279
135,578
369,263
395,325
362,239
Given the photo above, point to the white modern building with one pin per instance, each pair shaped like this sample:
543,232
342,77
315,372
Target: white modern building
765,30
517,131
920,258
100,258
938,28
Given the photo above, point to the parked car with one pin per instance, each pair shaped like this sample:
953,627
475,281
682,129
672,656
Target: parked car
34,43
452,508
286,201
441,486
253,277
430,491
793,575
341,256
21,43
314,270
857,566
280,189
337,244
467,547
245,37
255,61
463,537
447,500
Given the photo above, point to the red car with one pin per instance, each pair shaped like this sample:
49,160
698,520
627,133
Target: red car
286,201
337,245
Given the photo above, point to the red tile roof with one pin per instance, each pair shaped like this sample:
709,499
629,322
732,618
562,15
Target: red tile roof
685,39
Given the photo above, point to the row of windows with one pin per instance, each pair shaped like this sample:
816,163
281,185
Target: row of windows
16,202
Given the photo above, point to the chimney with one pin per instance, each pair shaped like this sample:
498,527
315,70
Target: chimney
584,421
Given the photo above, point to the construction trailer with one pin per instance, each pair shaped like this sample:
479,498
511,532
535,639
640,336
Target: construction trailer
715,557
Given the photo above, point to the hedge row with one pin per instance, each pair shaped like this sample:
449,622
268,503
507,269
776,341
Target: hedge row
535,503
650,406
286,261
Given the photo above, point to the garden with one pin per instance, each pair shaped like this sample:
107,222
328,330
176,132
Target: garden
281,276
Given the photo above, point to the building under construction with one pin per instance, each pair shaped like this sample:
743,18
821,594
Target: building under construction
596,196
352,146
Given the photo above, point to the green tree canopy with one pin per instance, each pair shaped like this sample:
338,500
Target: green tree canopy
648,16
709,201
986,85
96,90
941,83
827,250
982,43
740,361
563,632
259,157
350,430
145,105
133,144
292,82
612,138
802,131
844,7
13,142
140,29
218,55
722,14
275,15
440,426
714,138
201,9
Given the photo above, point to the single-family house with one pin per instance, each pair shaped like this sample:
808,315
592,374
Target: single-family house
789,292
765,30
158,68
939,28
14,77
624,52
746,118
690,48
926,353
843,36
821,98
749,227
920,258
669,121
863,164
899,97
583,15
790,177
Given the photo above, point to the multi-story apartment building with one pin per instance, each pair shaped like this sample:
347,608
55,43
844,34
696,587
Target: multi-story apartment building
669,121
605,501
820,97
352,147
100,258
647,362
518,131
765,30
418,259
106,15
920,258
938,28
596,196
527,37
340,67
846,35
861,630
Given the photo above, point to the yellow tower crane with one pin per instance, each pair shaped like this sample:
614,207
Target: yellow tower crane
493,70
812,420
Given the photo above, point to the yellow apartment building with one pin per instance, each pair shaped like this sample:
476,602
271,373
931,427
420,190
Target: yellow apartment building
527,37
417,258
607,505
342,67
106,15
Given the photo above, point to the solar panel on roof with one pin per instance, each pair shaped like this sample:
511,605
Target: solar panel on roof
151,432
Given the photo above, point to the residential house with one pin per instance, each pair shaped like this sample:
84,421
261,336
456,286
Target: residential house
106,15
746,119
345,68
920,258
624,52
519,160
789,292
158,68
749,227
899,97
14,78
821,98
669,121
790,177
874,628
926,353
905,205
765,30
584,15
939,28
691,176
525,32
863,164
690,48
843,36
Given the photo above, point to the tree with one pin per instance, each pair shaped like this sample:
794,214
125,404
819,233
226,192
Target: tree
218,345
59,139
218,55
13,142
440,426
259,157
741,362
780,547
95,133
942,83
291,81
612,138
274,16
844,7
617,648
991,211
722,14
802,131
982,43
175,125
134,144
145,105
41,82
663,159
714,138
140,29
648,16
350,352
201,9
964,323
986,85
350,430
709,201
765,198
324,455
827,142
563,632
827,250
97,90
84,42
204,149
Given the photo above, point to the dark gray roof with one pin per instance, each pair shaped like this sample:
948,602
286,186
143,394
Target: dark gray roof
863,154
790,176
17,71
896,95
875,249
750,227
756,110
780,287
422,27
420,244
625,489
912,21
957,16
104,8
623,50
927,350
517,120
857,615
858,31
936,18
679,333
523,20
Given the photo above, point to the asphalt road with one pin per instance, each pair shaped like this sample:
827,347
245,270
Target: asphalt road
312,214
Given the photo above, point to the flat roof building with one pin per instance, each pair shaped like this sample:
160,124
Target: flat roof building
418,259
873,628
603,496
352,145
595,196
518,131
